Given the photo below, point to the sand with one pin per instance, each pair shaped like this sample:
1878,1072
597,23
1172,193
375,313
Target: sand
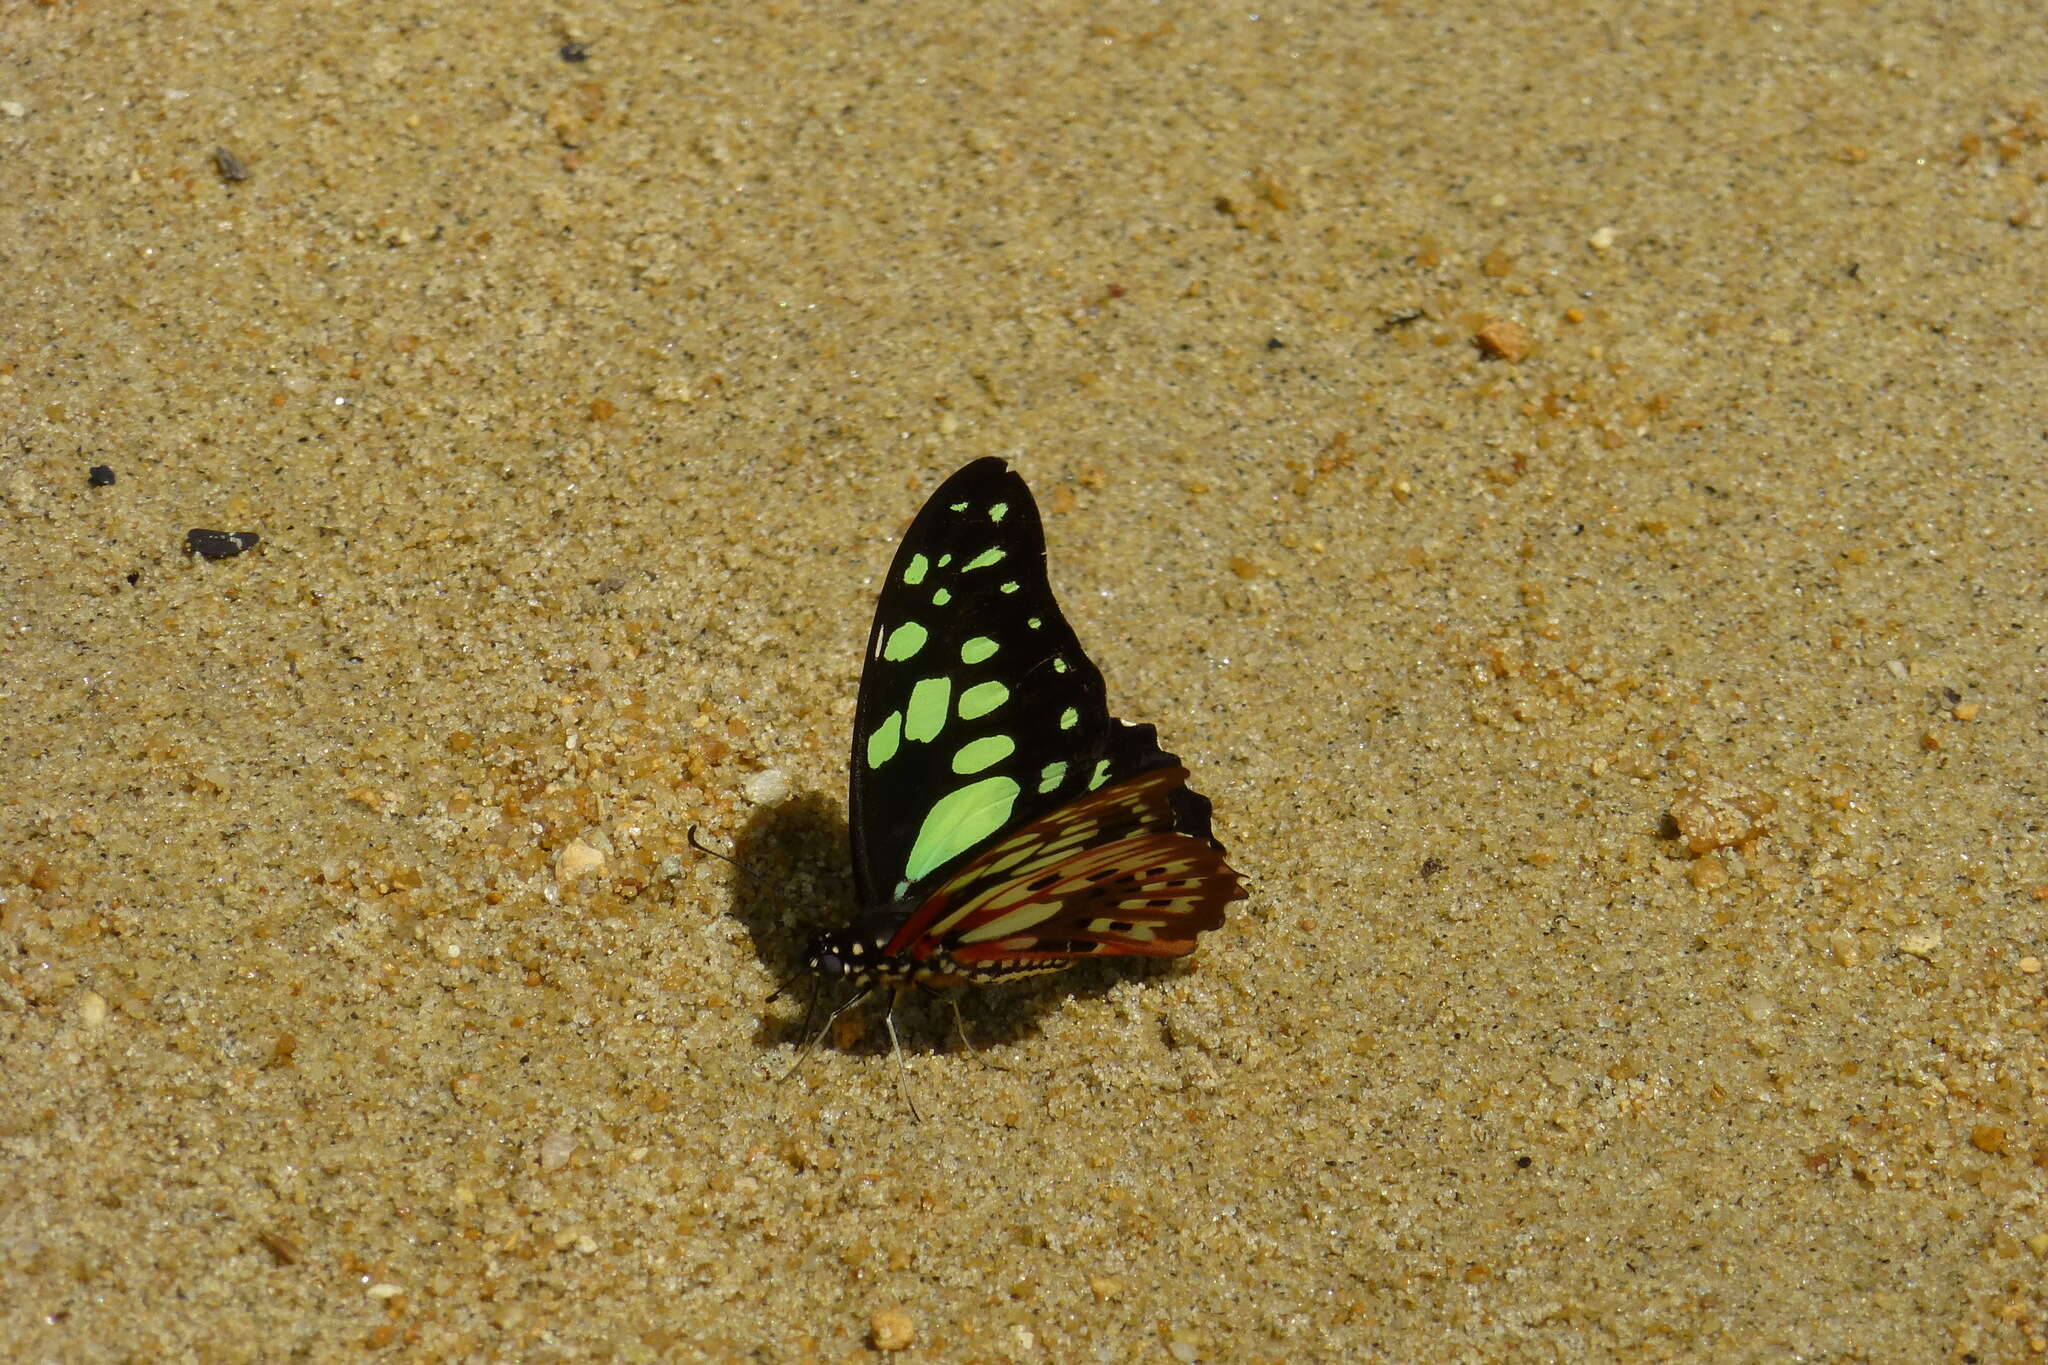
1573,489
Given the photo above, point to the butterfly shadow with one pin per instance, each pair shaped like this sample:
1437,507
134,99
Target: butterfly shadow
794,880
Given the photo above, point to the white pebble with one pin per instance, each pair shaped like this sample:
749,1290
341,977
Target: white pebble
556,1149
767,786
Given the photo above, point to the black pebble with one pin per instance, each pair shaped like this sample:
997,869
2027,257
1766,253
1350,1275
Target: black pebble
100,476
218,544
575,52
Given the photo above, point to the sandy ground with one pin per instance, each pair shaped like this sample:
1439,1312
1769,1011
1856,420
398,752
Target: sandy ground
1574,491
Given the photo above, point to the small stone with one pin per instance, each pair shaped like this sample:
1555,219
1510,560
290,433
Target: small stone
100,476
892,1329
555,1150
284,1249
2030,964
92,1009
1501,340
766,787
1602,239
1988,1138
219,544
1921,946
385,1291
1719,814
577,859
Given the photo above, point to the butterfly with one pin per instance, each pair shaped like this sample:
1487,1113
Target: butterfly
1004,824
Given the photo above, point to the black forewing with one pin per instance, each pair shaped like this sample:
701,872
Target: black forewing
1055,712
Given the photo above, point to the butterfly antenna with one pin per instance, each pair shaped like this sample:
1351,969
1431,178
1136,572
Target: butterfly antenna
896,1046
745,871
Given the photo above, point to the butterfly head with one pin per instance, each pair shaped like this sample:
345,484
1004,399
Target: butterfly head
846,955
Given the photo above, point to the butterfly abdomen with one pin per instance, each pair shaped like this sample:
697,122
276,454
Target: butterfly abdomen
846,957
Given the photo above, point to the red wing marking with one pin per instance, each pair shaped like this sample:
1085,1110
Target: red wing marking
1108,874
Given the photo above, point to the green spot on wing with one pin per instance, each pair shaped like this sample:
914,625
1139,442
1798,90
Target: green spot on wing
941,597
1010,586
882,743
982,698
926,714
904,641
1034,622
992,555
956,507
1100,775
958,821
1069,718
998,511
975,650
914,571
982,753
1051,776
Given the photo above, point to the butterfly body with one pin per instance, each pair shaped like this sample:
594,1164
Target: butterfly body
1004,824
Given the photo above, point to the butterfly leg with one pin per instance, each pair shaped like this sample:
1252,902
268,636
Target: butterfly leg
791,980
810,1006
960,1025
811,1044
896,1046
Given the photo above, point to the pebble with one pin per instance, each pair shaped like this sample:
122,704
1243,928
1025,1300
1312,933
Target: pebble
766,787
577,859
892,1329
219,544
556,1149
